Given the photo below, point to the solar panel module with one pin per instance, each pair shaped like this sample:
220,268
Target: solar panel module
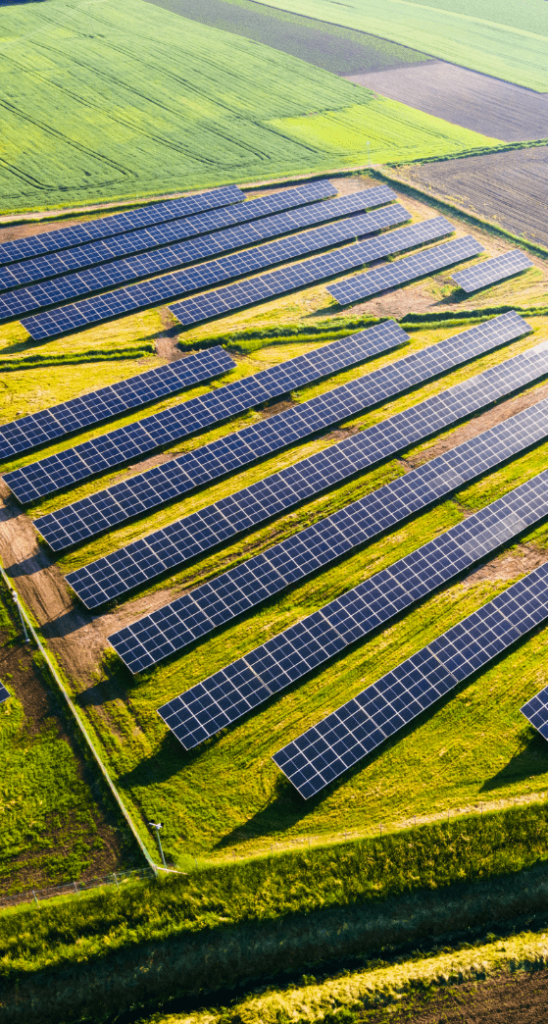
4,694
104,250
403,271
61,289
96,406
169,629
103,227
171,424
489,272
279,282
227,695
345,737
141,561
160,289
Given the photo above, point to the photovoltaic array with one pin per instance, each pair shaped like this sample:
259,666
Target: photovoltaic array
491,271
287,279
61,289
4,694
202,275
171,546
232,692
103,227
341,740
114,448
536,712
169,629
96,406
103,250
403,271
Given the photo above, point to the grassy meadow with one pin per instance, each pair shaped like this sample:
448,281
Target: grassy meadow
507,41
102,101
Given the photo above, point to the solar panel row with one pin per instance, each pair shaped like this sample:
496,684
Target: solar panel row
171,546
4,694
497,269
159,289
96,406
341,740
230,693
103,250
103,227
169,629
108,275
536,712
165,427
402,271
268,286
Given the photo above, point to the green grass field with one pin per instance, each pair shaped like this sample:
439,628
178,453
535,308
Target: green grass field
504,39
101,101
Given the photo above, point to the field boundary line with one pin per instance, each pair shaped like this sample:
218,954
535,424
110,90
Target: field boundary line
485,225
76,716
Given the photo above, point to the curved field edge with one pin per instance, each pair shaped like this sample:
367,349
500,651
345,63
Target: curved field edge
244,924
148,102
512,48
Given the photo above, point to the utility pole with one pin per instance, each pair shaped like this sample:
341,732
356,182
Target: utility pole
156,826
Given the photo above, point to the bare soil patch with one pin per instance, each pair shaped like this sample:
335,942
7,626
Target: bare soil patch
507,189
342,51
466,98
520,998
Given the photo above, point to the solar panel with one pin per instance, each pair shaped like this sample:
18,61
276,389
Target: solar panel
171,424
160,289
61,289
173,545
103,227
268,286
497,269
171,628
95,406
4,694
102,251
536,712
345,737
391,275
228,694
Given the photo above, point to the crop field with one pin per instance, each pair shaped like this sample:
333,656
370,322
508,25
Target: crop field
55,824
339,50
465,98
507,189
227,799
462,32
147,102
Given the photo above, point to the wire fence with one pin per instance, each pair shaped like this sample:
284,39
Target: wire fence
74,888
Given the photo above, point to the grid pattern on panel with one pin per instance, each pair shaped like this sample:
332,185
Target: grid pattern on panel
497,269
4,694
341,740
61,289
191,616
219,700
171,546
103,227
96,406
101,251
268,286
402,271
169,425
536,712
169,286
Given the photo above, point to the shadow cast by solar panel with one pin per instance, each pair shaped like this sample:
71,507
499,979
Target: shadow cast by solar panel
19,347
162,765
529,762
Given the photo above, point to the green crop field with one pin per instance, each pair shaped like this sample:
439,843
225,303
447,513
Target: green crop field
506,40
100,101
